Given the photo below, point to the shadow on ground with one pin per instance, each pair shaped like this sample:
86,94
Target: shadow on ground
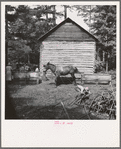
52,112
63,80
10,112
39,102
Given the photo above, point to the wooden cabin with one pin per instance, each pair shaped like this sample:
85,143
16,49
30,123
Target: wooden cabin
68,44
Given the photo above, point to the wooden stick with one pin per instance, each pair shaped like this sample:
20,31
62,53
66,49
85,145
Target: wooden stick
74,101
86,111
65,109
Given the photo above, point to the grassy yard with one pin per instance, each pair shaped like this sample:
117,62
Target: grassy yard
42,101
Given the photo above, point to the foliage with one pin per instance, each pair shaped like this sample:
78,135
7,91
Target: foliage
18,50
99,66
102,23
24,25
86,12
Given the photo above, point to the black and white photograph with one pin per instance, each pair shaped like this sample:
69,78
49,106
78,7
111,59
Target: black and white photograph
60,65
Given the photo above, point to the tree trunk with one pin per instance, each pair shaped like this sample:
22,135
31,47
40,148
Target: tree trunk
54,17
107,62
28,58
107,54
47,16
103,56
98,55
106,66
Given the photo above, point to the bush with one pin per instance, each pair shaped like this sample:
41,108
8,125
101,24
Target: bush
99,66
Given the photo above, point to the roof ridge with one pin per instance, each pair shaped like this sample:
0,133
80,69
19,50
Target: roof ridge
58,25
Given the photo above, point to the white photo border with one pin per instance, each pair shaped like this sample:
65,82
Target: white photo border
43,133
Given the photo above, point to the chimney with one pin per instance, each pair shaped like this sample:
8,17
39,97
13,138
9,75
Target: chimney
65,11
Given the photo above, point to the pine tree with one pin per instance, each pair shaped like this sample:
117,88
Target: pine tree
102,22
104,27
9,18
27,25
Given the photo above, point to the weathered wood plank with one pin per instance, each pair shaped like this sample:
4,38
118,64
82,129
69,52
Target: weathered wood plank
64,53
68,45
65,42
54,42
69,39
72,51
68,34
74,63
69,27
101,79
79,55
73,43
69,31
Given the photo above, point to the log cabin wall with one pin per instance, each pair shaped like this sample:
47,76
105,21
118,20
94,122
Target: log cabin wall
69,44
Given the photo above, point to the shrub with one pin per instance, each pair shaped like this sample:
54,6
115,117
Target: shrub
99,66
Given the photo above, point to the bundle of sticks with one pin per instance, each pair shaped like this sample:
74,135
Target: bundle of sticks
83,94
104,103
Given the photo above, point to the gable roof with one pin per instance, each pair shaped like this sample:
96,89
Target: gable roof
60,24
